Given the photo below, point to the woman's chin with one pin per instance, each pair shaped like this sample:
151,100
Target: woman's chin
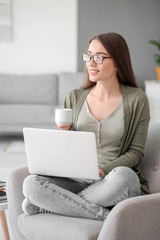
93,79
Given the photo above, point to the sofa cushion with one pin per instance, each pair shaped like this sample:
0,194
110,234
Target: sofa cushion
26,113
55,227
17,130
68,82
40,89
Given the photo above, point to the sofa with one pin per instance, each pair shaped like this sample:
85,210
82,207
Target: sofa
30,100
136,218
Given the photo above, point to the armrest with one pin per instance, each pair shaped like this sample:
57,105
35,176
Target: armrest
134,219
15,195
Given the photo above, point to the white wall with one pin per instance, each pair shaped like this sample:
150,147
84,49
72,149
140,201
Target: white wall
44,37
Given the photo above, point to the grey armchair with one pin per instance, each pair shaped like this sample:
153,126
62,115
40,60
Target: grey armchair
133,219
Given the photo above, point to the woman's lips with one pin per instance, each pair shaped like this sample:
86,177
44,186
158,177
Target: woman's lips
93,72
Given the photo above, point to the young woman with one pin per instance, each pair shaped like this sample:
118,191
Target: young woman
112,106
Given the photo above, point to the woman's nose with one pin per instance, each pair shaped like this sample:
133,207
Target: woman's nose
91,62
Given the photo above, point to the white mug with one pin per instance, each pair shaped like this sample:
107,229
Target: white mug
63,116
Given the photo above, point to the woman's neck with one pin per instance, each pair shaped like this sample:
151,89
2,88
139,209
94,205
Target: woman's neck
106,89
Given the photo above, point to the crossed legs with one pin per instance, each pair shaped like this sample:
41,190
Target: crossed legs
81,199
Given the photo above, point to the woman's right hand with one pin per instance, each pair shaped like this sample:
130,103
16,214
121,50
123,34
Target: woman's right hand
64,127
101,173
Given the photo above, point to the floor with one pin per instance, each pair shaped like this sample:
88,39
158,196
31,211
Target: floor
11,157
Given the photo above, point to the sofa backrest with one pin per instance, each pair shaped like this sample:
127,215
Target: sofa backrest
68,82
26,89
150,164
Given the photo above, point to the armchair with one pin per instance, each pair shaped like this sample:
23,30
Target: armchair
136,218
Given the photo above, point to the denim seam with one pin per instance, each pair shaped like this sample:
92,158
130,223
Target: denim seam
76,203
118,200
46,185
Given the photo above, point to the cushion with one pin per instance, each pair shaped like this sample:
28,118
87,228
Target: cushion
68,82
55,227
28,88
26,113
17,130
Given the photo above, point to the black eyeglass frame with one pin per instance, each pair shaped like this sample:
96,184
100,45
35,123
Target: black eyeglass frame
92,56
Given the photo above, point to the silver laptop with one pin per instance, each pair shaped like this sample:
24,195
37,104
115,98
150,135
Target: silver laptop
61,153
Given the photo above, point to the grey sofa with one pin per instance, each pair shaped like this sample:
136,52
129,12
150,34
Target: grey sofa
30,100
133,219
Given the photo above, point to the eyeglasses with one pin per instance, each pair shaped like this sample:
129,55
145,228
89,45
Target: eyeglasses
86,57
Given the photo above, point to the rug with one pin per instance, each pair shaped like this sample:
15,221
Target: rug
15,147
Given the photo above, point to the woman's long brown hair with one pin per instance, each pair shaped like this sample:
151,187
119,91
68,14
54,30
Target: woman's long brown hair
117,47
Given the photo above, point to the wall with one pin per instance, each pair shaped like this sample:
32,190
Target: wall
44,37
137,20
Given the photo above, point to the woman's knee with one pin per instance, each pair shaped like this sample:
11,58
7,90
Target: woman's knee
127,177
124,173
29,185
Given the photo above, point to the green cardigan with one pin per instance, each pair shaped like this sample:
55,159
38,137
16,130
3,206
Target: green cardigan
136,121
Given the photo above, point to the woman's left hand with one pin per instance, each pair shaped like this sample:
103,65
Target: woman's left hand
101,173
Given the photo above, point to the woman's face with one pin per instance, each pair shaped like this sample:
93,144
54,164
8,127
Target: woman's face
100,72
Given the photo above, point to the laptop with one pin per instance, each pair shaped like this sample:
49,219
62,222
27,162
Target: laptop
61,153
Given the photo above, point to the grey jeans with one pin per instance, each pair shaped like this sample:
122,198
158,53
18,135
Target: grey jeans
86,199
